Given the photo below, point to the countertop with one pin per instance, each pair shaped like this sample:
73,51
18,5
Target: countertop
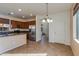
12,34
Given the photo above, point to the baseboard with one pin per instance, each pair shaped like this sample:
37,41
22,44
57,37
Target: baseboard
65,43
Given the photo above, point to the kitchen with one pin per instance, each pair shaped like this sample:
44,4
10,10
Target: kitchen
15,33
28,28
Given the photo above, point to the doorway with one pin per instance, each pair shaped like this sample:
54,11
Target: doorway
44,32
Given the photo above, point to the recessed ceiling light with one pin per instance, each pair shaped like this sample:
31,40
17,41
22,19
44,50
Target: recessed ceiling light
11,13
19,9
23,16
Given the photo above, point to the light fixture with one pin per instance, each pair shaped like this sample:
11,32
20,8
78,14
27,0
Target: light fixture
11,13
51,20
47,19
19,9
43,20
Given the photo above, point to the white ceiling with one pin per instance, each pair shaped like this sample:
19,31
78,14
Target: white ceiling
34,8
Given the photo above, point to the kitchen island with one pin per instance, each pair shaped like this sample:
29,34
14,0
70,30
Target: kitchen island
11,41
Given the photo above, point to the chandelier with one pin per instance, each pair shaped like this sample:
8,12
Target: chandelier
47,18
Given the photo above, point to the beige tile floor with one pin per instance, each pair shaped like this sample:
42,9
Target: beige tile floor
50,49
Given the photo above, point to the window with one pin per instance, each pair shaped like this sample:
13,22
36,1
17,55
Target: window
76,21
77,25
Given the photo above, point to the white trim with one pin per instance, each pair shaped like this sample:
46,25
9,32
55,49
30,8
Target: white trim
65,43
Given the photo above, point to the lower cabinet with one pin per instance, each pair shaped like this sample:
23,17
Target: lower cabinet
11,42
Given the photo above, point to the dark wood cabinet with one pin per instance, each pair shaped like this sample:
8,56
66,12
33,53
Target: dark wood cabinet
30,23
22,25
4,21
1,21
18,24
14,24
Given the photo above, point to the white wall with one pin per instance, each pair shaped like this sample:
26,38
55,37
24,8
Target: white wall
38,28
59,29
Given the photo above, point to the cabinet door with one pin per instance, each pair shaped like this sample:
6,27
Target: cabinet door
32,22
1,21
5,46
14,24
21,25
26,25
4,21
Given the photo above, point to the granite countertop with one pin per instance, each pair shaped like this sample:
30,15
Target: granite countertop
12,34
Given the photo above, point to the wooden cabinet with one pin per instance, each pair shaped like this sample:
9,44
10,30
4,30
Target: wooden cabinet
1,21
14,24
30,23
22,25
27,24
18,24
4,21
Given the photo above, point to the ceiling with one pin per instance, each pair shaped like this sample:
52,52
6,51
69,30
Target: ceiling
32,8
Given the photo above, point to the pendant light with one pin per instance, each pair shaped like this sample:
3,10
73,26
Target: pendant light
47,19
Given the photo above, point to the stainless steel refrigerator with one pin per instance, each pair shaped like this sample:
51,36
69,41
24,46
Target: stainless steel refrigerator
32,32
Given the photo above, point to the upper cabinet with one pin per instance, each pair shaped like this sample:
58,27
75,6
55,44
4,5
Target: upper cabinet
4,21
18,24
30,23
14,24
22,25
